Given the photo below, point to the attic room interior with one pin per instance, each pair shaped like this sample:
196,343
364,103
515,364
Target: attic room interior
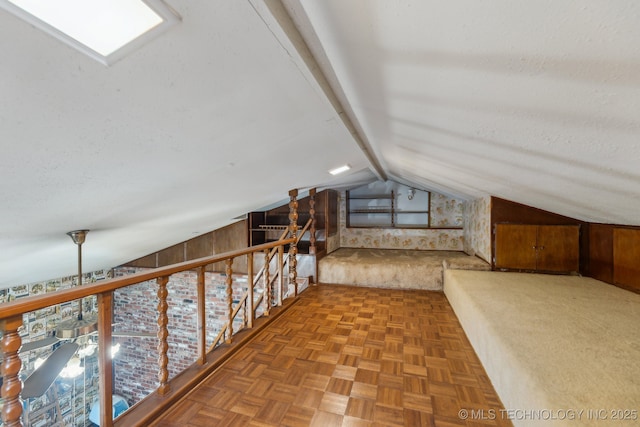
475,261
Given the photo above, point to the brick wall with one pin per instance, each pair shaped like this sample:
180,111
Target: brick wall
135,310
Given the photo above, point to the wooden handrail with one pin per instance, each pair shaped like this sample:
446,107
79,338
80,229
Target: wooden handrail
11,315
273,251
220,335
245,297
257,302
11,319
37,302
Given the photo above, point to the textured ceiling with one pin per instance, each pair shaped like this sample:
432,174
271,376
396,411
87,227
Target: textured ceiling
535,102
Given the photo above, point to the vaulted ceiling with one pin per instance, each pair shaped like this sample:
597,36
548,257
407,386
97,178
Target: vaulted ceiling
532,101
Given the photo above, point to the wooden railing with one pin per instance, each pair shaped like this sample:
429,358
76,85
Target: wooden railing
11,315
265,296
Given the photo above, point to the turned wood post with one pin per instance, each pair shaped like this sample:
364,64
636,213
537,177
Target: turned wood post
202,324
163,334
293,231
11,364
280,274
267,286
229,281
312,214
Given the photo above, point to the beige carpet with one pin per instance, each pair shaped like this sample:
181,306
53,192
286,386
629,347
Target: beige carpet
554,347
392,268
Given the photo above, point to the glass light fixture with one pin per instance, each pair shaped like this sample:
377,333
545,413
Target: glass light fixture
73,368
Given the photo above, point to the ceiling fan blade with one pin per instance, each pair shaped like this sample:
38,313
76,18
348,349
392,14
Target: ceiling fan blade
34,345
41,379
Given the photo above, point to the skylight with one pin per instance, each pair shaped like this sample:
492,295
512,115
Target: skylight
104,29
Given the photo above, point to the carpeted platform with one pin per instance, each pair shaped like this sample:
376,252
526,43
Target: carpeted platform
559,350
393,268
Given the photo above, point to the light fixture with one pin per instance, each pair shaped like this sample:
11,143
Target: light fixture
339,170
115,349
73,368
87,350
106,30
82,325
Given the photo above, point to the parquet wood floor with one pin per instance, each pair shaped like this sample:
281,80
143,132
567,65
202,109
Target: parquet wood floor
350,356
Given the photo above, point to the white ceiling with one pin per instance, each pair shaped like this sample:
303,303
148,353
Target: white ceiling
532,101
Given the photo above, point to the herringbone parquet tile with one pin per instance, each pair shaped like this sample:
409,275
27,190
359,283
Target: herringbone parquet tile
349,356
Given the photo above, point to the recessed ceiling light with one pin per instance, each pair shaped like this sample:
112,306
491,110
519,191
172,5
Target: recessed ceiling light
106,30
339,170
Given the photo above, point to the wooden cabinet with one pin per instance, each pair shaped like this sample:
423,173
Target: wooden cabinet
546,248
626,253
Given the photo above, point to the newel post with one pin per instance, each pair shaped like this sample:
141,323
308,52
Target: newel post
293,231
163,334
11,364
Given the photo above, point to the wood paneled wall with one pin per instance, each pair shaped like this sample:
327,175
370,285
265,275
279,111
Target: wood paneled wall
225,239
626,253
615,254
601,252
608,252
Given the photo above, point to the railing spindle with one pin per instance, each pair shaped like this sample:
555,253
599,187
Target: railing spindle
280,274
163,334
229,281
11,364
267,286
250,290
202,325
293,229
105,361
312,214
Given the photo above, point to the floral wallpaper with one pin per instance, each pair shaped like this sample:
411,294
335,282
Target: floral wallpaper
477,228
446,212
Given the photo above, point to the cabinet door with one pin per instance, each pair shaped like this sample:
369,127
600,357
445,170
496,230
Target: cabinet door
626,252
558,248
516,246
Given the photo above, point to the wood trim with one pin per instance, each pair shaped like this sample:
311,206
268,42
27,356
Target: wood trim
105,362
202,316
